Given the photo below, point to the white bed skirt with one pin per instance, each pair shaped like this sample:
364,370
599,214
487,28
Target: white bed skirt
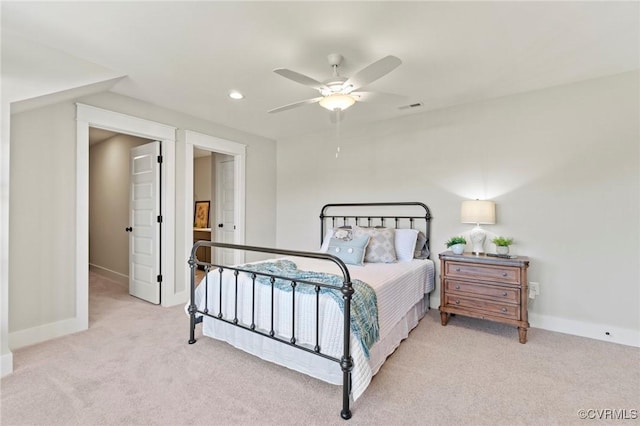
308,363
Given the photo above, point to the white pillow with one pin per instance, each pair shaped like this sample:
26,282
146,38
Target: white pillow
405,243
326,240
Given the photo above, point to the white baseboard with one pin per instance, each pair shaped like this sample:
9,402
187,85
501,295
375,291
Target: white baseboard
6,364
434,301
108,273
30,336
623,336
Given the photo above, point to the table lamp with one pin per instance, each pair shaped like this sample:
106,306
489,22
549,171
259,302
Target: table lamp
478,212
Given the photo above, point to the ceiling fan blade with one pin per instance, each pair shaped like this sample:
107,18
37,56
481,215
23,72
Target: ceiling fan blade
300,78
373,72
296,104
379,97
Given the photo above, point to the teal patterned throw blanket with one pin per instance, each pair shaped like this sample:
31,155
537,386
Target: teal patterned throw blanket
364,304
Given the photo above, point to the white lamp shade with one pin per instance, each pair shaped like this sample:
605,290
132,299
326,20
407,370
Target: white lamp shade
478,211
337,102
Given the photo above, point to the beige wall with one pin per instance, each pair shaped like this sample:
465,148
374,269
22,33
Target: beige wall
562,165
42,226
42,217
27,80
109,180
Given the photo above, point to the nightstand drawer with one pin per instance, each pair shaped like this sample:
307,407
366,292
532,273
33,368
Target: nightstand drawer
505,274
489,291
491,308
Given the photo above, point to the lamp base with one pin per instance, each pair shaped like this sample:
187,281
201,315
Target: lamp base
478,236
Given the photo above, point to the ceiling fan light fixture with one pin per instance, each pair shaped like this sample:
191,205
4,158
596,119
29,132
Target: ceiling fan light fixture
337,101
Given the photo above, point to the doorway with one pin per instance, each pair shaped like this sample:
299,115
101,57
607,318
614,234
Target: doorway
214,185
109,202
225,149
124,204
89,116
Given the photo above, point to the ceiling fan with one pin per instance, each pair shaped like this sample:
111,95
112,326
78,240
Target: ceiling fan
339,93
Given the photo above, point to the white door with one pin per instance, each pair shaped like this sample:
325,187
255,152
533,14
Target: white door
144,226
225,212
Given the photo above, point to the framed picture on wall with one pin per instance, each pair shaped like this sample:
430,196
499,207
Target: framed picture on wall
201,214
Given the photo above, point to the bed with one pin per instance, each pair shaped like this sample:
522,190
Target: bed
335,314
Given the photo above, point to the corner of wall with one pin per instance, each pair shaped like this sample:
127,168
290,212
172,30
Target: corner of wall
7,364
7,356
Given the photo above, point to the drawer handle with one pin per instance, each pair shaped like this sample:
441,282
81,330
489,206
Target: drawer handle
504,294
457,287
457,302
457,269
504,310
504,274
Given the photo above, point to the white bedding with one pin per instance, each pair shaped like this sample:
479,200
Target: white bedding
400,289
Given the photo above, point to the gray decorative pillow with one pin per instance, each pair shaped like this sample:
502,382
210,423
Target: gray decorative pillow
381,247
421,251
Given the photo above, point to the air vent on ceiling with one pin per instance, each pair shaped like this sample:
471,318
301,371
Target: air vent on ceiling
414,105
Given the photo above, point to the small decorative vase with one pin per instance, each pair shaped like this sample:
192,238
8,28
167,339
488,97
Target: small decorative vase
502,249
457,248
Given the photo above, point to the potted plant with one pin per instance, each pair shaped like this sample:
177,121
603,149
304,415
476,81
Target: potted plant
456,244
502,244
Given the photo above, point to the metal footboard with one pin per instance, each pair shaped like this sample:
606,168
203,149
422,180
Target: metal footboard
345,362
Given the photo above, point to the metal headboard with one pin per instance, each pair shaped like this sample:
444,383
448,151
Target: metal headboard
375,219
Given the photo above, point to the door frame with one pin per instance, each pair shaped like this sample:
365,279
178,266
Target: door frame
222,146
89,116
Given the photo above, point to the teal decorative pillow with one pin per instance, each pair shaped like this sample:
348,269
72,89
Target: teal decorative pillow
381,248
351,252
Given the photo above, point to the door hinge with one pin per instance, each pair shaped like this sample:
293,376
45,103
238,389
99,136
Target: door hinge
159,278
160,159
159,219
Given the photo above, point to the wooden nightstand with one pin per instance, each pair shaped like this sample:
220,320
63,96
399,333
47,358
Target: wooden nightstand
485,287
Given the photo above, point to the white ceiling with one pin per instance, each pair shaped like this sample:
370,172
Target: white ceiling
188,56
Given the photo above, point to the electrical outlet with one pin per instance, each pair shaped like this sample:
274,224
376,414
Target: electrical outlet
534,288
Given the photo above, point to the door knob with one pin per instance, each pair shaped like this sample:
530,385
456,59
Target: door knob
220,225
128,229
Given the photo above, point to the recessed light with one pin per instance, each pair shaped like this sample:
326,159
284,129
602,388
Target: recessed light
234,94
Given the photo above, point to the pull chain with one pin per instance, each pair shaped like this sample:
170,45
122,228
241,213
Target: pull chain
338,119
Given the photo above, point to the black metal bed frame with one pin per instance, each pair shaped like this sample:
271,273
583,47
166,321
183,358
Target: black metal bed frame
346,361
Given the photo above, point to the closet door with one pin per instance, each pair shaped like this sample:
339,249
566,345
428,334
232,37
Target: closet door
144,223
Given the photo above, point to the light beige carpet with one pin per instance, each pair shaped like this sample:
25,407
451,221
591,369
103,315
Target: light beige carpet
134,366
